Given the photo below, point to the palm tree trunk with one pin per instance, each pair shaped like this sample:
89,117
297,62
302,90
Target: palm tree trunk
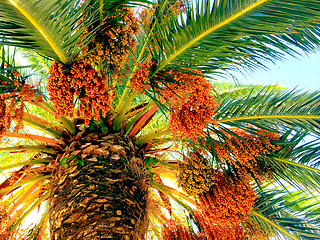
100,190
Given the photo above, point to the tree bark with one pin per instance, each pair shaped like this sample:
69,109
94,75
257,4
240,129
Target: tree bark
99,190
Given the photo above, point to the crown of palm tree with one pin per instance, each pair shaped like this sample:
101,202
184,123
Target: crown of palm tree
119,119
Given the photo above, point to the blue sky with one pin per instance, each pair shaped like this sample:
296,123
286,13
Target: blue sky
303,73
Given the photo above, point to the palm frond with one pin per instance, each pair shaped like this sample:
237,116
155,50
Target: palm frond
216,36
279,212
296,162
40,65
44,26
288,165
271,110
225,89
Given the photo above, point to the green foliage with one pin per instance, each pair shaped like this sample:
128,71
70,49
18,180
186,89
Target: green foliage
218,36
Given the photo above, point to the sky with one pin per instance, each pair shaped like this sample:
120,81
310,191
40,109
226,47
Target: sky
303,73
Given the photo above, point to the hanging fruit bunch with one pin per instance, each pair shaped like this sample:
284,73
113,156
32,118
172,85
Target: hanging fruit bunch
195,174
191,103
223,203
219,232
12,107
13,95
80,81
188,97
228,202
10,79
113,43
243,153
174,231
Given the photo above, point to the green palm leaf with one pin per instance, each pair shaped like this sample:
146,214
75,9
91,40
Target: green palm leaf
271,110
221,35
280,212
43,26
288,165
226,89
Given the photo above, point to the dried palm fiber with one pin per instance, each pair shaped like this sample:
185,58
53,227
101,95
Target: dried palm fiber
165,198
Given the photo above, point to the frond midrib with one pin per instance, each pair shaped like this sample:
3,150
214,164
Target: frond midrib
273,224
269,117
297,164
206,33
40,29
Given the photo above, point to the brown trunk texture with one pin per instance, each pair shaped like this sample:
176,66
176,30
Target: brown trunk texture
99,190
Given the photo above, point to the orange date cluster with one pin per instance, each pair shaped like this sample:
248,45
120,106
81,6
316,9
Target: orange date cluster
83,82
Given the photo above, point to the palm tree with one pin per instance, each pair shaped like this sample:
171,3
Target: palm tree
120,130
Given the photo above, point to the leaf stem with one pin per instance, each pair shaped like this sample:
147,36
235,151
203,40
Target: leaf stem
172,191
148,137
66,122
36,161
49,107
297,164
43,149
43,63
269,117
38,202
167,165
41,223
3,190
101,11
32,137
135,118
42,127
121,114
